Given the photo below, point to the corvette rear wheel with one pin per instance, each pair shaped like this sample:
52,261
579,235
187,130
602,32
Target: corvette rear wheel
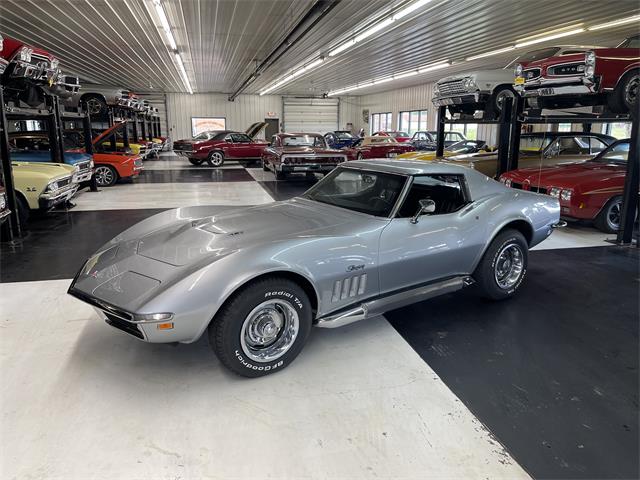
503,266
262,328
215,159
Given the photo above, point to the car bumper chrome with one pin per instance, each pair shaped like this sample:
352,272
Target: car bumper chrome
461,99
50,200
311,167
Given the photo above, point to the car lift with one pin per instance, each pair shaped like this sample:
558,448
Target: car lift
514,115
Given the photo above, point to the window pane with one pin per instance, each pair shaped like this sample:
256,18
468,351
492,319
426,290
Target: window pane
619,130
404,121
414,121
564,127
472,131
375,122
423,120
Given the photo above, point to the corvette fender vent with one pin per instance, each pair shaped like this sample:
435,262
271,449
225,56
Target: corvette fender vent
349,287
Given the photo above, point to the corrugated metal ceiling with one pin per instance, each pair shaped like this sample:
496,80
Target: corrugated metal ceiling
120,42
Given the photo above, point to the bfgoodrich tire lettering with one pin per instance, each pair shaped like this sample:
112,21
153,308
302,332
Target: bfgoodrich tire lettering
246,339
503,266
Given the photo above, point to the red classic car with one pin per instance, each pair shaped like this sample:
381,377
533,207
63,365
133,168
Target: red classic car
300,152
23,66
217,146
377,147
566,77
590,190
401,137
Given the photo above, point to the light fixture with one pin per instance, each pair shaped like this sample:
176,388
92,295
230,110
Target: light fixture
615,23
545,38
492,52
379,26
183,72
426,68
165,25
290,76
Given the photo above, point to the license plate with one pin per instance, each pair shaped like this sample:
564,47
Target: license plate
392,154
519,81
546,91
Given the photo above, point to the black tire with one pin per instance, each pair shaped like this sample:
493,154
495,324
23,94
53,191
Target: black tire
264,166
280,175
608,220
360,156
196,161
22,208
486,274
96,105
106,175
231,342
215,159
625,97
494,107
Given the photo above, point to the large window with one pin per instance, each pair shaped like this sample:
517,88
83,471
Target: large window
564,127
412,121
469,130
619,130
380,122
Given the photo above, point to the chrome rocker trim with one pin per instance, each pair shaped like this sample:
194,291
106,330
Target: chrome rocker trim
379,306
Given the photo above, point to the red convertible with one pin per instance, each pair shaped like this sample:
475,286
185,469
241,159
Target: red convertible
218,146
377,147
590,190
565,77
300,153
401,137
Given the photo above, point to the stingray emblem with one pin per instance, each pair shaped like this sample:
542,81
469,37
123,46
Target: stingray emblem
354,268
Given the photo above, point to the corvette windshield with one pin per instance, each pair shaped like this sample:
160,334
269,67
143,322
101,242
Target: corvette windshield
616,153
363,191
303,141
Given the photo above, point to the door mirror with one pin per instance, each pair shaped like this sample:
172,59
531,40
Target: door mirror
426,206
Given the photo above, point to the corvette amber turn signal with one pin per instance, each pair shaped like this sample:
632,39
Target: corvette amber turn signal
165,326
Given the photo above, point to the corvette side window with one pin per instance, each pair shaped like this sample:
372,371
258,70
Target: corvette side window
446,191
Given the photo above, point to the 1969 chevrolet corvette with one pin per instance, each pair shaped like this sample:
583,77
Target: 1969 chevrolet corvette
371,236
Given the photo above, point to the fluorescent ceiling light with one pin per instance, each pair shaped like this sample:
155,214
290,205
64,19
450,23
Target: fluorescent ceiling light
406,11
165,24
183,72
488,54
382,80
296,73
615,23
549,37
436,66
379,26
376,28
341,48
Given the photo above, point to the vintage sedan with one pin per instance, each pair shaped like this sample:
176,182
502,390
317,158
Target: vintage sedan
377,147
98,99
216,147
340,138
578,76
423,140
300,153
536,149
401,137
372,236
480,90
589,190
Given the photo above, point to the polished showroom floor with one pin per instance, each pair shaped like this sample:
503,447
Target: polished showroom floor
544,385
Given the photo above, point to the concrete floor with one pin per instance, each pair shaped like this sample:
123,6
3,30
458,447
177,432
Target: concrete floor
80,401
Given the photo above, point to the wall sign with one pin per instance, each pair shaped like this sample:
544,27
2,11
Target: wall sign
207,124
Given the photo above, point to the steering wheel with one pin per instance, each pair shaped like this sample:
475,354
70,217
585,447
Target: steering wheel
379,203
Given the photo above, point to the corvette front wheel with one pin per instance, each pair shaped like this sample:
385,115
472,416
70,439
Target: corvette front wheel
503,266
262,328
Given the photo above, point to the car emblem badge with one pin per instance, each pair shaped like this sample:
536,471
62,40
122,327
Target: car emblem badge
353,268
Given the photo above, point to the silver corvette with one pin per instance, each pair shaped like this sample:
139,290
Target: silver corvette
369,237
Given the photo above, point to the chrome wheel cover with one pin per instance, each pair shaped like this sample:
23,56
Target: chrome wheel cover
631,90
269,331
216,159
509,266
104,176
614,214
94,106
501,96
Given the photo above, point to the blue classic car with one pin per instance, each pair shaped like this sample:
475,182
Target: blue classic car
340,139
34,147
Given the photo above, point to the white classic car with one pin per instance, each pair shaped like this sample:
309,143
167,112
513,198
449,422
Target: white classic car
480,90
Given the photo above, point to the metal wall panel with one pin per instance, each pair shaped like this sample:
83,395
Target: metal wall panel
310,115
246,109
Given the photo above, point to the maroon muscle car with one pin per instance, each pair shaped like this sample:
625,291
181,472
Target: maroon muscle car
377,147
300,152
590,190
569,77
217,146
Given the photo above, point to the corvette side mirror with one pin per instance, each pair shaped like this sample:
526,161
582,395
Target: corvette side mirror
425,206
